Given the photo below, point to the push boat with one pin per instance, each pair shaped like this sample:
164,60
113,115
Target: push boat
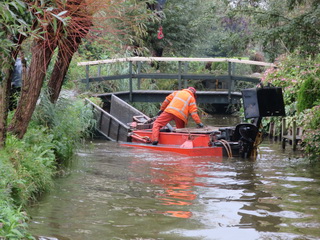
119,121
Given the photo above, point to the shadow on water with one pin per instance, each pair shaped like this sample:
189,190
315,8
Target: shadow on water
118,192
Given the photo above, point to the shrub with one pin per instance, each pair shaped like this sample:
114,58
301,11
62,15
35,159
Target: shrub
27,166
311,136
12,222
309,92
68,121
299,78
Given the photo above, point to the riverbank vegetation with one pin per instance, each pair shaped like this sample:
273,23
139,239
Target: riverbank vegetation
299,77
50,37
29,165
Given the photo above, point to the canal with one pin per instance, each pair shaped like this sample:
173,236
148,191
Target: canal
114,192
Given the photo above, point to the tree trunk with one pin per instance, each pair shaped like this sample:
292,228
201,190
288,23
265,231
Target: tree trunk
42,54
60,69
76,30
5,85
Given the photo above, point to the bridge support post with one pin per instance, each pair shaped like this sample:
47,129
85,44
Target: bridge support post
230,81
139,79
185,72
179,76
130,81
87,77
233,72
99,70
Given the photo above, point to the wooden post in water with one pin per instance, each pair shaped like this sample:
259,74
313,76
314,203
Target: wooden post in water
294,135
271,129
283,132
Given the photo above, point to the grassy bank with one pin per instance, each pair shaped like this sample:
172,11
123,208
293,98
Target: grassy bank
28,166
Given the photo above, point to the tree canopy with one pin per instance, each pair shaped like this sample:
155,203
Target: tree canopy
53,26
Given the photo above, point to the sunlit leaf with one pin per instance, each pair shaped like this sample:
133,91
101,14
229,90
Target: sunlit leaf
62,13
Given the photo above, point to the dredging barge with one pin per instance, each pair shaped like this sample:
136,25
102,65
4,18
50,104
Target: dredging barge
123,123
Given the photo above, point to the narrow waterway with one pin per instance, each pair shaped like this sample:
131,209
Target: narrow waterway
115,193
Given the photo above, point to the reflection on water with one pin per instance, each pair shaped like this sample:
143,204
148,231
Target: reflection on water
116,192
178,179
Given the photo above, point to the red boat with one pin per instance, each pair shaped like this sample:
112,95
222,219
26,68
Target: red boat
123,123
192,143
207,141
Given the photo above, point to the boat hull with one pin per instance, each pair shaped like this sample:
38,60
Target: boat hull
195,151
190,144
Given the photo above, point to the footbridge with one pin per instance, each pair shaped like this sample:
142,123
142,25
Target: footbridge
221,87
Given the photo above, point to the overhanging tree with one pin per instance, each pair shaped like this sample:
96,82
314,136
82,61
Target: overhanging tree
59,24
48,21
283,26
177,20
77,28
14,27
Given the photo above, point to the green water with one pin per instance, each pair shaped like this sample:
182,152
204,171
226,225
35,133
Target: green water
115,192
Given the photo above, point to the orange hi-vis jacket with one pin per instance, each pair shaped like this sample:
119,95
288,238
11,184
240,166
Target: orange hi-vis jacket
181,104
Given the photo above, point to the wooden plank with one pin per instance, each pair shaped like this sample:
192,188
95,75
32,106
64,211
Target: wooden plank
205,130
212,97
108,125
123,111
174,59
105,78
97,62
266,64
170,76
166,92
290,137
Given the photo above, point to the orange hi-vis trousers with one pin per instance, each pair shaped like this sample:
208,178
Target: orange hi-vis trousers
162,121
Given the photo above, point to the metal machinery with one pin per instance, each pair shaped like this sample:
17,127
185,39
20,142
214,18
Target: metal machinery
257,103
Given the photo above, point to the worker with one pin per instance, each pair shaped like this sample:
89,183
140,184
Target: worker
177,106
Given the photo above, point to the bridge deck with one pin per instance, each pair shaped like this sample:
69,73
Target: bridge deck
211,97
135,74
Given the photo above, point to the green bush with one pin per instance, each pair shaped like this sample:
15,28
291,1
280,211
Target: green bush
300,81
297,76
28,166
12,222
311,135
68,121
27,169
309,93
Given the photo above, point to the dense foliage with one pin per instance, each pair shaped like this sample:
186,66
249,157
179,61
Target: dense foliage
181,28
126,28
28,166
282,26
300,78
64,131
311,123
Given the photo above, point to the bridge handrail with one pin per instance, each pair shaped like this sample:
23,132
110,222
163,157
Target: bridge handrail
181,76
175,59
